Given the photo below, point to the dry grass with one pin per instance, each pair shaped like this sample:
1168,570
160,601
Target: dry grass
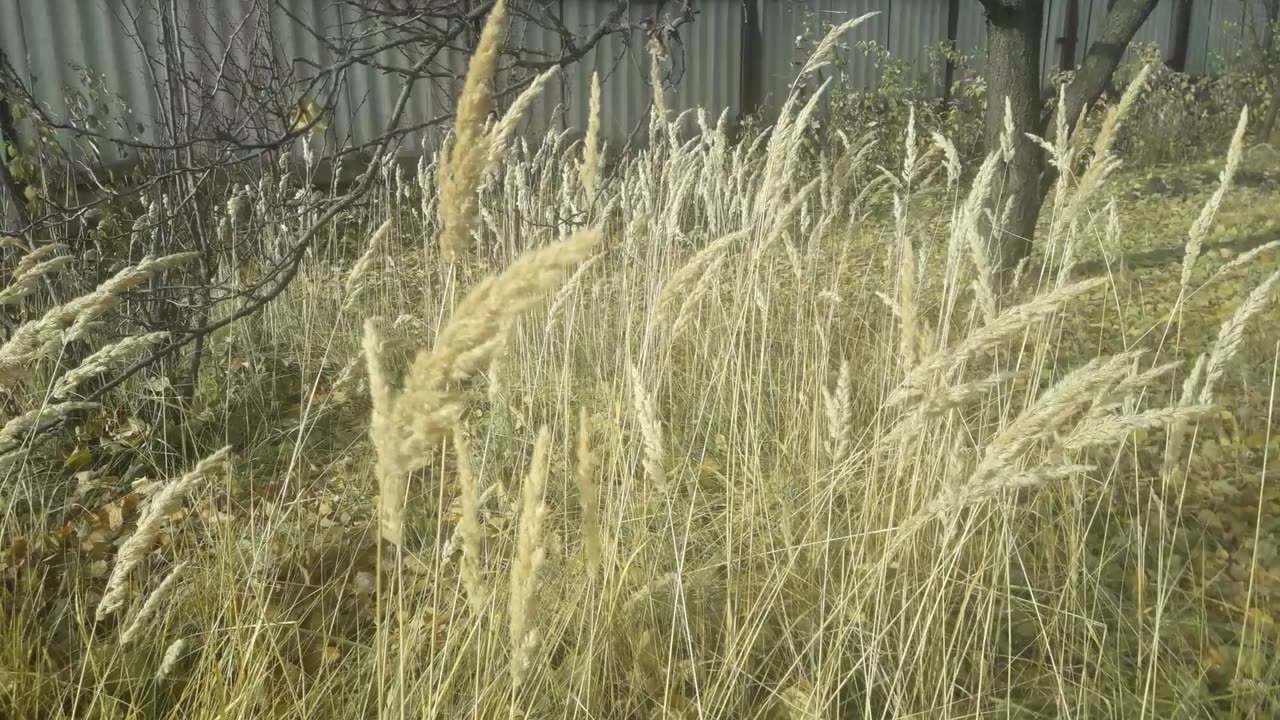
681,462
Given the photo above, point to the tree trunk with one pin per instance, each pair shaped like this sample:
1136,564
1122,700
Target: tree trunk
1013,72
1123,19
1118,28
9,185
1268,56
1269,122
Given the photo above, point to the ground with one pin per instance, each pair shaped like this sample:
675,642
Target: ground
1184,558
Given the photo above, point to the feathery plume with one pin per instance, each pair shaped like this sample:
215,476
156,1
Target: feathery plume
588,496
162,504
364,266
1246,258
464,161
650,431
170,659
152,604
405,425
503,131
529,558
696,267
1231,335
469,525
589,171
1107,430
11,435
838,403
1200,228
103,360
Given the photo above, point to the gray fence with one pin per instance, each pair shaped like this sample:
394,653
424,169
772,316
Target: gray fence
737,55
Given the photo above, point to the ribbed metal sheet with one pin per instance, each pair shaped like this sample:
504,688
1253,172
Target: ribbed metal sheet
915,29
1158,29
971,34
782,23
1198,38
622,62
792,27
1052,32
1232,26
47,40
709,66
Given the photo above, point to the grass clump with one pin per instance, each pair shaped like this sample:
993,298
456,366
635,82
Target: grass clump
724,434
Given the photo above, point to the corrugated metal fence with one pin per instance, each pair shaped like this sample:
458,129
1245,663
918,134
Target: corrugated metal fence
721,64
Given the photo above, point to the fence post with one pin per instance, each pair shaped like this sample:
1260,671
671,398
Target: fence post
1177,59
1070,37
751,92
953,41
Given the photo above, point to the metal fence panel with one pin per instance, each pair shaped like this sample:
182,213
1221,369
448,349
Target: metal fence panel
971,34
46,40
914,29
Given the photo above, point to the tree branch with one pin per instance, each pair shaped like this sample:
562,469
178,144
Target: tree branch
293,261
1100,62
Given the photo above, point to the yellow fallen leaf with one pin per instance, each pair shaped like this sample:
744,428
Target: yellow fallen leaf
306,112
1255,440
710,467
78,459
498,525
1258,617
1210,658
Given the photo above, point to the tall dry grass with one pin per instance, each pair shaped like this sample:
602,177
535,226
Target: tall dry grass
762,441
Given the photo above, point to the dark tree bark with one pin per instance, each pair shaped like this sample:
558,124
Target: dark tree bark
1122,21
1269,122
1269,57
1103,57
9,185
1177,59
1013,72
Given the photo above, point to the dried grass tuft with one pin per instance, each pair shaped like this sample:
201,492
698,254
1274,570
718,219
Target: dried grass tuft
1200,228
103,360
407,424
588,497
650,431
464,161
530,556
134,549
589,171
469,530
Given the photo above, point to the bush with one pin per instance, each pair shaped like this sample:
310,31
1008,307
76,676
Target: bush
882,111
1183,118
